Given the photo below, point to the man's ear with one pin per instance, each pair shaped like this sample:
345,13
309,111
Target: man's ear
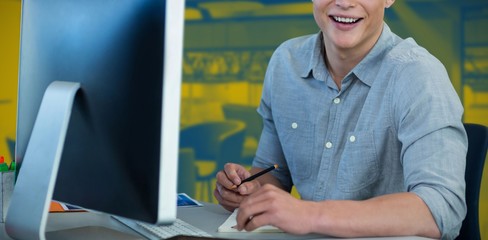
388,3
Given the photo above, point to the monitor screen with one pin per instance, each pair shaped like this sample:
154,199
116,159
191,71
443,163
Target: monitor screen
119,152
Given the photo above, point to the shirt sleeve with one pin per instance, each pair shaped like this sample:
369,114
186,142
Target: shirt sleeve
428,115
269,150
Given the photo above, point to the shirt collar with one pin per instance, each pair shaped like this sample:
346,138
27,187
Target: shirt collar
316,63
367,69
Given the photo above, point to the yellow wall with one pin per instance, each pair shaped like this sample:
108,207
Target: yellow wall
9,52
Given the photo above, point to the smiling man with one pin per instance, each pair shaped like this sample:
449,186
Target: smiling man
365,125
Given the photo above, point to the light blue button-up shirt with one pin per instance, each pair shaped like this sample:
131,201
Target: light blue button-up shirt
395,126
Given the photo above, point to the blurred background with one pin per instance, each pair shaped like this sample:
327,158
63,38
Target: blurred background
227,47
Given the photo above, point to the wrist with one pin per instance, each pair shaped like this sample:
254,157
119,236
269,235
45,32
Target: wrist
319,220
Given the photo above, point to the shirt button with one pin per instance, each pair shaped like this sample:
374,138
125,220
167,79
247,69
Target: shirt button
328,145
352,138
294,125
337,100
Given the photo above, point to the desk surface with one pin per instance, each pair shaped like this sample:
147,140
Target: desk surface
90,225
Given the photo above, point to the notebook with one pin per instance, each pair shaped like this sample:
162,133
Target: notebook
228,226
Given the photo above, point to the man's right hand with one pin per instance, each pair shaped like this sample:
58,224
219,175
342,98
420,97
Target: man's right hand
227,192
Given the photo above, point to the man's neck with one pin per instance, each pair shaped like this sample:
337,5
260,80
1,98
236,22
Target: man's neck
340,61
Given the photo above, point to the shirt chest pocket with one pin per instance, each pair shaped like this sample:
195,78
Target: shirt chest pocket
297,141
358,167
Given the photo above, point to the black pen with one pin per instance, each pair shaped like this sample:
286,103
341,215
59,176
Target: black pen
256,175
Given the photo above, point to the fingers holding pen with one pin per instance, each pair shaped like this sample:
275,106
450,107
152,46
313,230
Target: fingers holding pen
227,199
225,192
232,175
248,187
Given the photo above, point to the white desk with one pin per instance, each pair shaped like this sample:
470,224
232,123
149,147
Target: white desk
89,225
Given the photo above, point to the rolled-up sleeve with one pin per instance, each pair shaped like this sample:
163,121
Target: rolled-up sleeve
434,143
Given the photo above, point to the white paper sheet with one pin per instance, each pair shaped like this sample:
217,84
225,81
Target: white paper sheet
228,226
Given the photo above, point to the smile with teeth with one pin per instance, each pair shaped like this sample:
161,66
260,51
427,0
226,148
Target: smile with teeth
345,19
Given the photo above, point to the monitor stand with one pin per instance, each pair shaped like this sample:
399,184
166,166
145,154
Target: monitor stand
31,198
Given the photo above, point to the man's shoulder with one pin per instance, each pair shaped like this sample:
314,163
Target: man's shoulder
407,51
415,69
299,43
296,52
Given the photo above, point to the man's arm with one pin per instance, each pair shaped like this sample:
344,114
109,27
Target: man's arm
389,215
428,116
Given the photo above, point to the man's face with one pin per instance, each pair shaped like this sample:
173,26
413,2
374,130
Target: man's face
350,24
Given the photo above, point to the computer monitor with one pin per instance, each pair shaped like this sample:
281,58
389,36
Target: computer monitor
98,110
